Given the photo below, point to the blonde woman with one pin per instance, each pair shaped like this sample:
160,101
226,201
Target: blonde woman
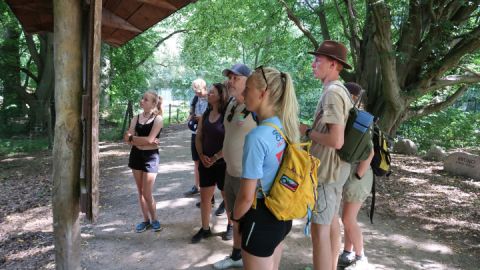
143,135
270,95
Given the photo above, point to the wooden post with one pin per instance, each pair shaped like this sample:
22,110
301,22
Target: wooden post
169,114
92,88
68,139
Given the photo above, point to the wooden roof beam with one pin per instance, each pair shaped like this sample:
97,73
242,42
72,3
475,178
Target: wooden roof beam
109,19
162,4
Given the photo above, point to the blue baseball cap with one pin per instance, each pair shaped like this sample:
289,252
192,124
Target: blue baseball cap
238,69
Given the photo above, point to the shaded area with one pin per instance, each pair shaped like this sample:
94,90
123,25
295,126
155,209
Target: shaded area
425,218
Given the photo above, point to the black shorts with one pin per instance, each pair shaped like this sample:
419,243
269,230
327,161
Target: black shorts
262,231
213,175
144,160
195,156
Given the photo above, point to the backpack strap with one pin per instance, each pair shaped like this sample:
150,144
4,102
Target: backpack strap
372,205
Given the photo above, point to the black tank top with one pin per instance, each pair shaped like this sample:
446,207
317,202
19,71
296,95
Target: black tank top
145,129
213,135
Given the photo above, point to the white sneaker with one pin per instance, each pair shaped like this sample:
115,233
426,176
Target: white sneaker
359,264
228,263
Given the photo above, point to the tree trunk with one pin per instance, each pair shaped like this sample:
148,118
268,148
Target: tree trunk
39,114
10,72
68,136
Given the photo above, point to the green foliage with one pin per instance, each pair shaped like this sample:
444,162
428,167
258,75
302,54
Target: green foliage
22,145
450,128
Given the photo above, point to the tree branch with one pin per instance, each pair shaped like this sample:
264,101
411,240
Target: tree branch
300,26
453,80
431,108
450,60
30,74
383,41
158,45
33,50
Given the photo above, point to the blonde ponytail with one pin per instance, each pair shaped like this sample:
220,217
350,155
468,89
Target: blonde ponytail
282,95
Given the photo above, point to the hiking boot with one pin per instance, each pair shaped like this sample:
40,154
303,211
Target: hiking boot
346,258
228,262
194,190
156,226
142,226
201,234
228,234
213,203
359,264
221,209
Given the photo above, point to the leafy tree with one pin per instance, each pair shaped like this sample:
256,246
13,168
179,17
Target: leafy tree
401,51
29,76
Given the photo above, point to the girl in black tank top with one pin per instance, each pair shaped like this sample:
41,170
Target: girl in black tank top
209,144
143,135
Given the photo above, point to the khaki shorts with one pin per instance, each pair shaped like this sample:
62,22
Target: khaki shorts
329,198
358,190
231,189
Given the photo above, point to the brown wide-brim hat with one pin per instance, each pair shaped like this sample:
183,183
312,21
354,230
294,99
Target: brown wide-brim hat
335,50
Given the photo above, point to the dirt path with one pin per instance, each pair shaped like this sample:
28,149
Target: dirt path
112,244
402,239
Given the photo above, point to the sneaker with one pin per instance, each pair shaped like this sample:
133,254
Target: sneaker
194,190
346,258
228,262
156,226
221,209
142,226
201,234
228,234
359,264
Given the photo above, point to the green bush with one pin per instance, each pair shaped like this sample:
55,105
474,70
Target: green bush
22,145
450,128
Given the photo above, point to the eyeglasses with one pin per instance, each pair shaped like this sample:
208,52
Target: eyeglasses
263,74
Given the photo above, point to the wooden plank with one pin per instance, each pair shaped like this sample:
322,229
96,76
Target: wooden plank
162,4
93,92
68,138
112,20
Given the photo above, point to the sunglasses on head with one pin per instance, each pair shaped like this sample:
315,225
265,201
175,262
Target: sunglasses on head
263,74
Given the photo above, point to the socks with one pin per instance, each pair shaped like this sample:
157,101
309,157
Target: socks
236,254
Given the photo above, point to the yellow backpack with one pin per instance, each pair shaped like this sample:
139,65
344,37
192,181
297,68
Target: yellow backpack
294,190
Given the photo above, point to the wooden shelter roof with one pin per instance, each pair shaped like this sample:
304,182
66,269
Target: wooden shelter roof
122,20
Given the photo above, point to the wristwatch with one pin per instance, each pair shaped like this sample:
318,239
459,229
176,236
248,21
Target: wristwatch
130,138
358,176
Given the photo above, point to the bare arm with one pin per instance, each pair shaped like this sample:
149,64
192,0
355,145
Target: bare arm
334,138
245,197
151,138
365,164
131,130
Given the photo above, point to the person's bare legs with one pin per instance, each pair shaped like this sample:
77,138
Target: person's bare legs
277,256
138,175
148,181
225,206
251,262
206,194
353,233
335,240
197,174
322,252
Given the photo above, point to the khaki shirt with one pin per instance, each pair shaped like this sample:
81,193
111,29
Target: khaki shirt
235,132
332,108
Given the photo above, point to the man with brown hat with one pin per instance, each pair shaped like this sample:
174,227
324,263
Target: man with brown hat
327,135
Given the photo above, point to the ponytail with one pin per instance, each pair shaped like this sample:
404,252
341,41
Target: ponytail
282,95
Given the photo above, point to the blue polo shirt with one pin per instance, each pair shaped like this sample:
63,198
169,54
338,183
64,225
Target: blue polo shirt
262,154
